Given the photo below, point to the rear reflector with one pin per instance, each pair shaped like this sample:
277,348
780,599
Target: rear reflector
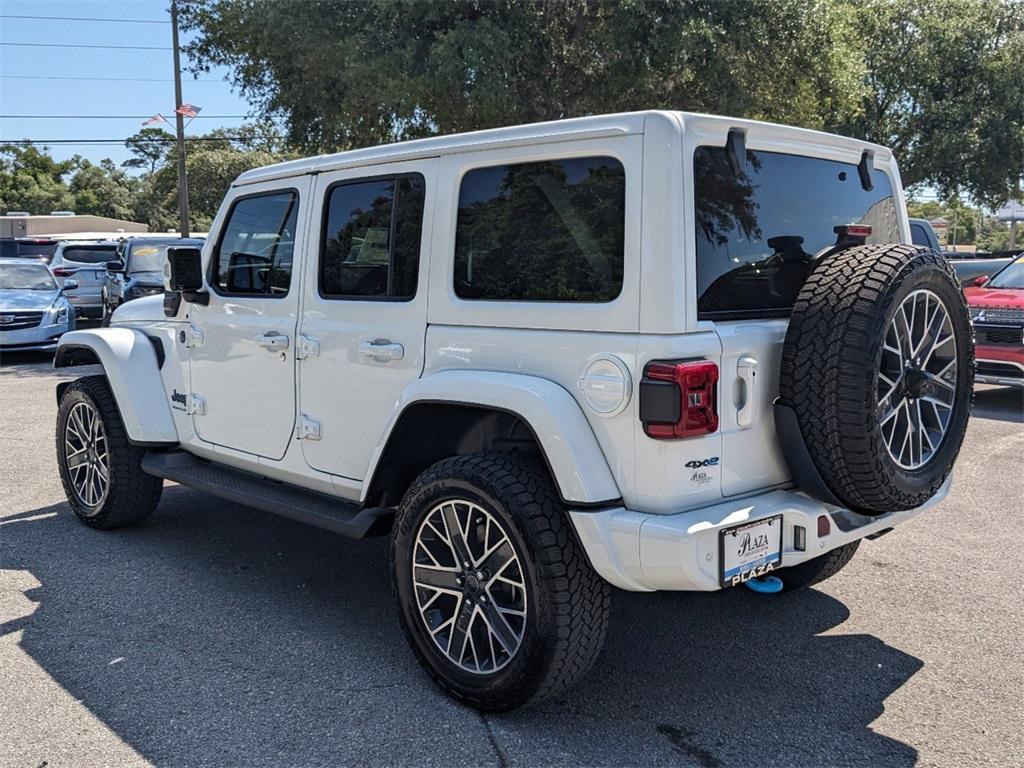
61,272
678,399
853,230
824,526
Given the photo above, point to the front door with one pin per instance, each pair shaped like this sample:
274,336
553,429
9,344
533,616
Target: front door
365,309
243,358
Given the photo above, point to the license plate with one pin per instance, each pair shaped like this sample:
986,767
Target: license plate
750,550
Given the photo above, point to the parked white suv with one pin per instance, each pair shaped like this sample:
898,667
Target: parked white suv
656,351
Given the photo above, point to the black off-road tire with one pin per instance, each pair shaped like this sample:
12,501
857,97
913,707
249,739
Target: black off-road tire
811,572
568,603
131,495
830,365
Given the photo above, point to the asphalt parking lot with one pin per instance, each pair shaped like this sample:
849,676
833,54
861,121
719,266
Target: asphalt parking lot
217,635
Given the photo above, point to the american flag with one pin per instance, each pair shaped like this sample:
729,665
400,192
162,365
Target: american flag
188,110
157,118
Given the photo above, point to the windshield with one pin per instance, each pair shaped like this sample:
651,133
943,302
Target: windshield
26,277
1011,276
89,254
147,258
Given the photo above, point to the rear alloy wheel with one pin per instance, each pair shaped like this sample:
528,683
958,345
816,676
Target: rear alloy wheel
495,594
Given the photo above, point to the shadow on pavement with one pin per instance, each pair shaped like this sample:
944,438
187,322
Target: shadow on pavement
1002,403
219,635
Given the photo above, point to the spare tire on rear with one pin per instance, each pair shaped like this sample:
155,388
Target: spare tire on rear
878,367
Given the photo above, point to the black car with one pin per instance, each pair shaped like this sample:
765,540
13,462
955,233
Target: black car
138,269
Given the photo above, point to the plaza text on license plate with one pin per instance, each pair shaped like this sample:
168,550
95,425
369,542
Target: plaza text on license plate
750,550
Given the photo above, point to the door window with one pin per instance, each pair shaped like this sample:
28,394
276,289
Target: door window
254,254
546,231
370,247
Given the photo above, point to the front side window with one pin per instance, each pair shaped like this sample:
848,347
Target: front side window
546,231
760,232
254,255
371,241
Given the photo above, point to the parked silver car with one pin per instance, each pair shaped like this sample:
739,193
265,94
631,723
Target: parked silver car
34,311
86,262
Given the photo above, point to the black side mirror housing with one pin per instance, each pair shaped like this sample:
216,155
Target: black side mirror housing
115,266
184,269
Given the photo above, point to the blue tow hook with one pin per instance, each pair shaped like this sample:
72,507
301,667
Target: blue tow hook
766,584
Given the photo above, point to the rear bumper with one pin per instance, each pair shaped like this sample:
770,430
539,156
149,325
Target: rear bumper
644,552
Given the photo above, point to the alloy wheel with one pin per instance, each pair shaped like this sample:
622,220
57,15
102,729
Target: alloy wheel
917,379
86,456
470,586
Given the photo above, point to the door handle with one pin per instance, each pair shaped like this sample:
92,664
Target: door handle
746,372
381,350
273,340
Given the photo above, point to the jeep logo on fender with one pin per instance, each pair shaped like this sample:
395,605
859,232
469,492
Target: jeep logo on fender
698,463
179,398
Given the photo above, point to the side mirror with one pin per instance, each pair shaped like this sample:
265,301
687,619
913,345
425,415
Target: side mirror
183,270
69,285
980,281
115,266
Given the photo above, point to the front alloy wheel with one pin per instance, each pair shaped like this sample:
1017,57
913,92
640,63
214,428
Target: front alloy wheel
86,456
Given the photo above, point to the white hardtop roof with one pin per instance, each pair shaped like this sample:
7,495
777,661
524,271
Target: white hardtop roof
578,128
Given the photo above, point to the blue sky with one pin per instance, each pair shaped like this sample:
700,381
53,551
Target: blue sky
106,95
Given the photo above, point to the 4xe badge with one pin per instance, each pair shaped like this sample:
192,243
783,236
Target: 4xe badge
700,475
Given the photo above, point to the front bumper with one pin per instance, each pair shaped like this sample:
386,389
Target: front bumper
643,552
999,365
32,339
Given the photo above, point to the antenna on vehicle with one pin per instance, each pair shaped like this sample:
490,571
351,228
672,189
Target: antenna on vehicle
867,161
736,148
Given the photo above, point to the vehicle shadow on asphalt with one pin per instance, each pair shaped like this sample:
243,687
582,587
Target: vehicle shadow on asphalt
1002,403
219,635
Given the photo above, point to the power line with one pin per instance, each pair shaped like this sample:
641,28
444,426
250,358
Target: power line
82,18
154,140
85,45
107,79
112,117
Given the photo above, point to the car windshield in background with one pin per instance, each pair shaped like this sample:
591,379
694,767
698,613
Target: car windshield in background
148,257
26,277
1011,276
89,254
758,233
43,250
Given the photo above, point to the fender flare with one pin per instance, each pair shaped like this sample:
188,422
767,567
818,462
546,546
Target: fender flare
577,463
132,368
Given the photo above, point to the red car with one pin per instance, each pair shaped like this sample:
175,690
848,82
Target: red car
997,311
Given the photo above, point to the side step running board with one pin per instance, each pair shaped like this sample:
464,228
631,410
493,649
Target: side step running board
315,509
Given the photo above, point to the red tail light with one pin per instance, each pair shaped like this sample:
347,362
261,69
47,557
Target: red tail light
678,399
61,272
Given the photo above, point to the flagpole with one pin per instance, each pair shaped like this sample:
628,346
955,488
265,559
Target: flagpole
179,121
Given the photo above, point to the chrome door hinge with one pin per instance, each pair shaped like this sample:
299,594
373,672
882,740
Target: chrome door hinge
307,346
307,429
191,337
195,405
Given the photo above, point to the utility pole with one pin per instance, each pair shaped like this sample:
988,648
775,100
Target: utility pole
179,121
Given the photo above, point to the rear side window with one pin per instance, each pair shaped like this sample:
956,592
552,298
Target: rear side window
89,254
371,238
548,231
254,254
918,236
758,234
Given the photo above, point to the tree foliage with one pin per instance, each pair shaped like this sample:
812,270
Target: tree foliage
939,80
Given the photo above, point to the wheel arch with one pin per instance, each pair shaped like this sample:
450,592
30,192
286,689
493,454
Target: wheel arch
473,411
131,364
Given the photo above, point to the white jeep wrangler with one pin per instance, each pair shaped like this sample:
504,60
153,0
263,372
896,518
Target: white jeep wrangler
655,351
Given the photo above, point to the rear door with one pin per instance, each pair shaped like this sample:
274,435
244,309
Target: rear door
759,233
243,363
365,308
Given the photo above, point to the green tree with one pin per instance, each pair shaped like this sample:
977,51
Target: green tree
102,190
938,80
31,180
148,148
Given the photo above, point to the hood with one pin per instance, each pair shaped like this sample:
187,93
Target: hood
148,309
1008,298
14,299
148,278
